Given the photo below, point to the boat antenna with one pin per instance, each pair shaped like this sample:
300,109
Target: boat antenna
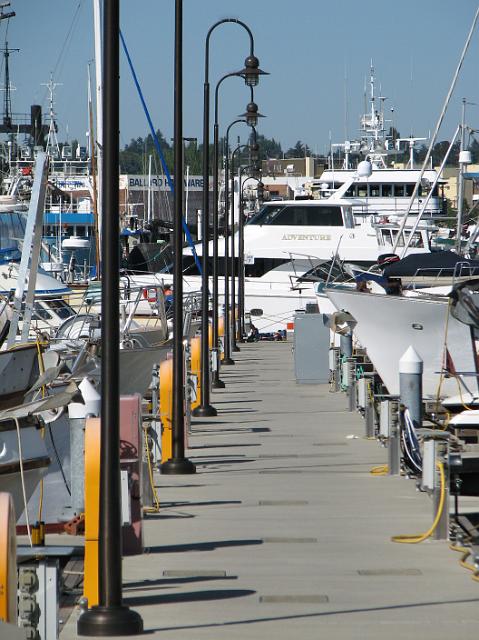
52,147
7,88
346,114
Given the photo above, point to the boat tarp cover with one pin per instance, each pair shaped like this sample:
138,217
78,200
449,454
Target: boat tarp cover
465,303
437,263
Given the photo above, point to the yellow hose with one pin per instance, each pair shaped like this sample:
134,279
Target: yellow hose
414,539
156,498
380,470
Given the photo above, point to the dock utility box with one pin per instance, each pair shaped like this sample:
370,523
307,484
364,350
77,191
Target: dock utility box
311,348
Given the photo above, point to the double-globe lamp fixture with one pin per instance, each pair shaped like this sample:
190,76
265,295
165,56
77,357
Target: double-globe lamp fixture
251,73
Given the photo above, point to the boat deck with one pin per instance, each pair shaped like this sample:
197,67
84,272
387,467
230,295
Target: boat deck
284,533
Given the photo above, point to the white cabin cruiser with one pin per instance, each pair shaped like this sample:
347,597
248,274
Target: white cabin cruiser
282,233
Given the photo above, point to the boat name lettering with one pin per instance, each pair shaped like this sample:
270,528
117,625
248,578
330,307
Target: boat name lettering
159,183
306,236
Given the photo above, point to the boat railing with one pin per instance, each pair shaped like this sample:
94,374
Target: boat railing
81,206
444,275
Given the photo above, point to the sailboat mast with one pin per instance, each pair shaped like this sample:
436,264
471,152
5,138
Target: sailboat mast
460,183
94,176
97,22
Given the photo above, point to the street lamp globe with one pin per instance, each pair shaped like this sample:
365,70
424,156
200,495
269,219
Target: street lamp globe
251,114
254,151
251,71
260,191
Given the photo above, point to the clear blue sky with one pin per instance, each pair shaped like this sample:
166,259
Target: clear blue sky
317,52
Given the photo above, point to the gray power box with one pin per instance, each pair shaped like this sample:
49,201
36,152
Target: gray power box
311,348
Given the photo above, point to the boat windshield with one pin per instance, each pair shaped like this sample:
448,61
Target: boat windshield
12,229
299,215
265,215
332,270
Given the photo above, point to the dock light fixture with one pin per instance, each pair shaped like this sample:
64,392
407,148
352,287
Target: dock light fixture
110,617
251,114
260,191
251,73
254,151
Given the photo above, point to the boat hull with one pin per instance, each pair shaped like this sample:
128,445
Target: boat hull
388,325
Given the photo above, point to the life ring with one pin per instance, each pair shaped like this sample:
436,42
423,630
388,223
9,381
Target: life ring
150,295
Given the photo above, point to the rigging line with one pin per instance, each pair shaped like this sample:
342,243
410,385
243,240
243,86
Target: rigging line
158,148
436,130
66,42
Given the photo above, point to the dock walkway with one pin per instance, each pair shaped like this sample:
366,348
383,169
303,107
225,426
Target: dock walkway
283,533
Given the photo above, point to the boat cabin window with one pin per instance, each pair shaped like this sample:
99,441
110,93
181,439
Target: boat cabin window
40,313
297,215
362,190
374,190
60,307
352,192
399,191
388,237
386,190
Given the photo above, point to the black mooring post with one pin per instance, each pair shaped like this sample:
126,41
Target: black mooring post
110,617
178,464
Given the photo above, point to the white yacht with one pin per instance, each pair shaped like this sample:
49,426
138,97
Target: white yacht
287,238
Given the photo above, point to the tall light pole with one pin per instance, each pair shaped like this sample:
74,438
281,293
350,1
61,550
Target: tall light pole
241,264
253,148
251,73
178,463
110,617
216,382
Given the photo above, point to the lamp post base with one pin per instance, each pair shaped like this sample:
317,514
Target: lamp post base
204,411
109,621
236,348
227,361
177,466
217,384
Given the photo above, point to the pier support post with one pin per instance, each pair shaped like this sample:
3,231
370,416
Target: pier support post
442,530
394,443
346,345
369,410
351,367
410,384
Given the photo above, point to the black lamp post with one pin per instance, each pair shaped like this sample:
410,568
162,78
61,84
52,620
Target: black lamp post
229,343
250,73
110,617
178,464
241,264
216,382
234,272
